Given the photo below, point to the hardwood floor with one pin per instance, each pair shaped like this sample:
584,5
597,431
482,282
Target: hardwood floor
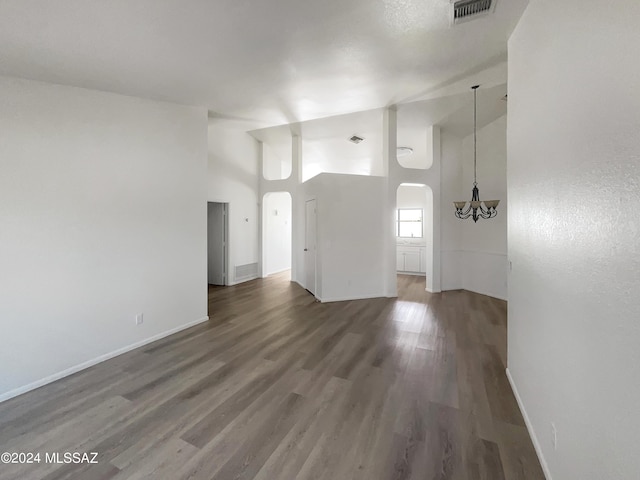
279,387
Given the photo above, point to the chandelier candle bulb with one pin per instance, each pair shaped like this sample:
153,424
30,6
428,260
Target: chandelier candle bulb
475,210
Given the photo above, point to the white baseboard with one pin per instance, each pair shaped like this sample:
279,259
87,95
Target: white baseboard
243,280
415,274
351,297
492,295
532,433
82,366
277,272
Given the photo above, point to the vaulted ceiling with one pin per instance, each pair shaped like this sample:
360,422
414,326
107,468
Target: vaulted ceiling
268,61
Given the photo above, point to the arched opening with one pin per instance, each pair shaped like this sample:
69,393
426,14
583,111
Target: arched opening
276,233
414,231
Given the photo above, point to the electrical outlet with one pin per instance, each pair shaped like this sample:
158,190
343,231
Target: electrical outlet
554,436
139,319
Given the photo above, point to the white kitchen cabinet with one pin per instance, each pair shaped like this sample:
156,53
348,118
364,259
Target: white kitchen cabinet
411,259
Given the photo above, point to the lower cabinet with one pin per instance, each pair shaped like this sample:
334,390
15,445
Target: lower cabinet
410,259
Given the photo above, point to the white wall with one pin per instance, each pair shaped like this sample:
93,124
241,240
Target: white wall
350,242
102,216
474,255
277,154
573,177
451,241
484,262
276,232
233,179
415,135
326,148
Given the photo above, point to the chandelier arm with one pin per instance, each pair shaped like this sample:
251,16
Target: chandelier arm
489,214
463,212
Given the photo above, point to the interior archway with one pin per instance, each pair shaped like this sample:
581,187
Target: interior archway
414,231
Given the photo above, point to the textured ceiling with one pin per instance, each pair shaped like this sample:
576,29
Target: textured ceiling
271,62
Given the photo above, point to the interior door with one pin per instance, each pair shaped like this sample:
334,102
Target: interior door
310,246
216,242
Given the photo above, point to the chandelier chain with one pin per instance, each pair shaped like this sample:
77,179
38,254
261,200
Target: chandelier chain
475,140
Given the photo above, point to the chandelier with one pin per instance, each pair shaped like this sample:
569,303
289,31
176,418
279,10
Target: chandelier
475,209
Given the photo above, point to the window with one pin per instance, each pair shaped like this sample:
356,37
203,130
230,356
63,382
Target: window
409,222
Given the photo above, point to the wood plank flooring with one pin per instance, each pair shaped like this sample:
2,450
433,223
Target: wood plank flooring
279,387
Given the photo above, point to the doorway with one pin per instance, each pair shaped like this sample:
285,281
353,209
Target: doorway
414,232
217,242
310,232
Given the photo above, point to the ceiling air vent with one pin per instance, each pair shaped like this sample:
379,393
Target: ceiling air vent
464,10
356,139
